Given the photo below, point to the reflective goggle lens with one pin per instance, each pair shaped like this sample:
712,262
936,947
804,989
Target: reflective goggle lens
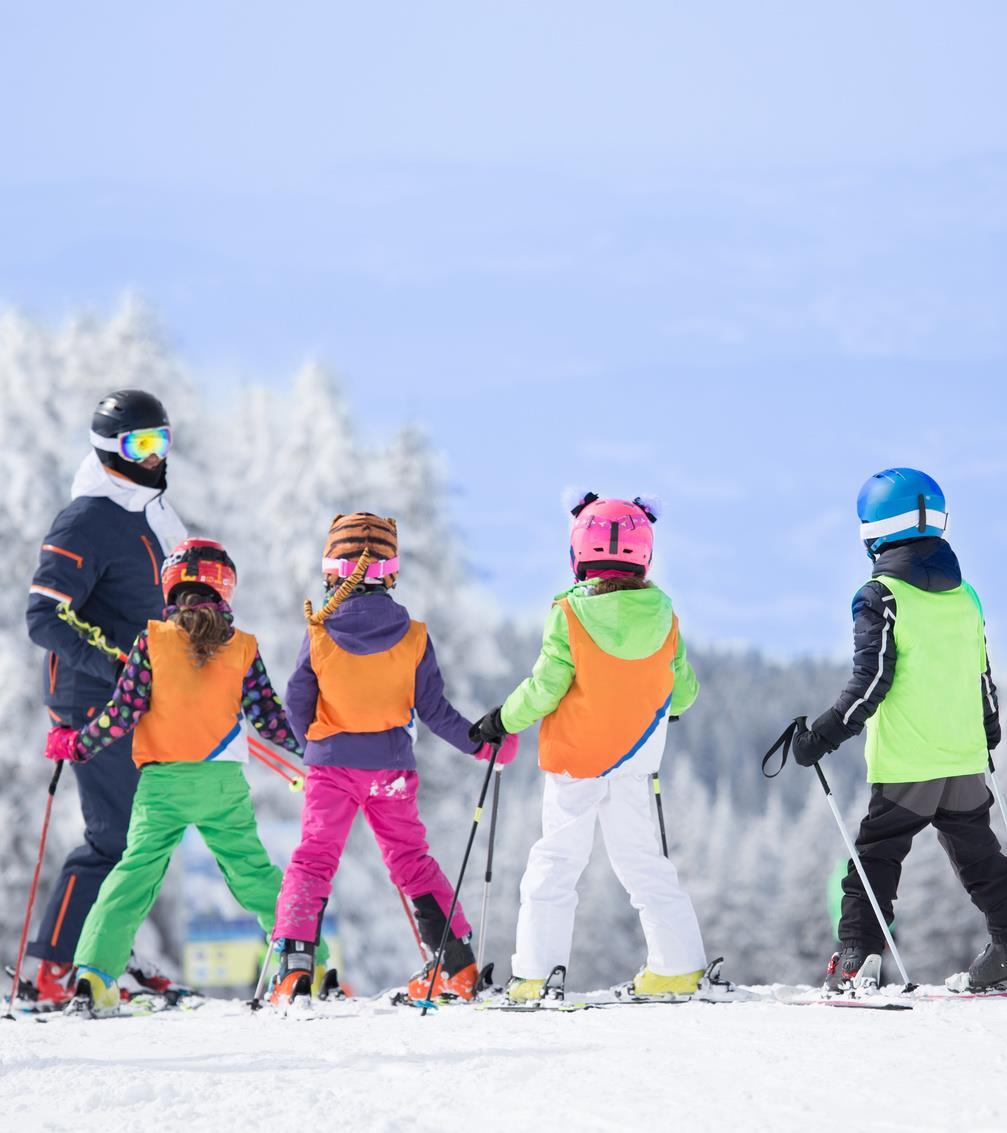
141,443
628,522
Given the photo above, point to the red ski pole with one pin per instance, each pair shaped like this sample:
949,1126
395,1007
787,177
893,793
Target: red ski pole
275,755
412,923
34,889
266,755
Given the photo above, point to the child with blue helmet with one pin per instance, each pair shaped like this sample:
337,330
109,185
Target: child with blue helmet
922,686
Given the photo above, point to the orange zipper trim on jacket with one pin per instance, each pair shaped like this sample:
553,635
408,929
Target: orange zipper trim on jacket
153,561
78,559
53,666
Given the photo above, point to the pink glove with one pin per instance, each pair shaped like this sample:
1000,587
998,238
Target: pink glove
506,754
61,743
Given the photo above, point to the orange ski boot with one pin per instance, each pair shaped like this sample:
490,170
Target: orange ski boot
297,970
457,977
460,986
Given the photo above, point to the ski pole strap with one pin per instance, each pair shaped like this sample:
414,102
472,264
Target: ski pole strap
93,635
783,743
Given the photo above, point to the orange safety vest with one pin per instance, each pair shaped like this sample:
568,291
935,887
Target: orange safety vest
364,692
194,713
612,707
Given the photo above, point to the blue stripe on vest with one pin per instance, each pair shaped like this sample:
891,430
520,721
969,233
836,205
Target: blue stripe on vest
226,742
658,717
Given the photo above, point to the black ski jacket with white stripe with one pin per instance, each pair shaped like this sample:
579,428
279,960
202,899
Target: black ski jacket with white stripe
929,564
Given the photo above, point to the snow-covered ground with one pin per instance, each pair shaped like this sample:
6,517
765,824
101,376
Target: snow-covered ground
691,1067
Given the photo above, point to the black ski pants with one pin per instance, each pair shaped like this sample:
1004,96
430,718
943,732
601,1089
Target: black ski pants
106,787
959,809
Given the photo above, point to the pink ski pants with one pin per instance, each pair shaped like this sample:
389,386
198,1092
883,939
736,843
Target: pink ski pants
332,797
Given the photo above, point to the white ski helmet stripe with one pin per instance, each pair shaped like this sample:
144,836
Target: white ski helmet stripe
903,522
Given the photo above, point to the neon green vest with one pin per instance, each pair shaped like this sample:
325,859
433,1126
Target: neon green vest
930,725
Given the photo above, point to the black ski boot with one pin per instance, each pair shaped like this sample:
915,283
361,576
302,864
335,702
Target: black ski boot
989,968
852,967
330,988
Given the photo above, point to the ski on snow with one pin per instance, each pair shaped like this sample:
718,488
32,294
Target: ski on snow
959,987
138,1007
876,1002
712,990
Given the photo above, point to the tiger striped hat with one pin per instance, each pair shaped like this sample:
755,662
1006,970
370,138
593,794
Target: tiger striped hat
350,536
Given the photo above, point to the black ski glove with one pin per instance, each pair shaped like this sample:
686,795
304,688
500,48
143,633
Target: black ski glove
807,745
489,729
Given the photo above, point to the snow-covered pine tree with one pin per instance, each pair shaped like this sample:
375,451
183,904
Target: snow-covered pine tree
309,467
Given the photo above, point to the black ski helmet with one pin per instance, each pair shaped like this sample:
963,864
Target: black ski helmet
120,412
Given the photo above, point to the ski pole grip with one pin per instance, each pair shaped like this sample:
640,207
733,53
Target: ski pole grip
477,817
821,778
53,782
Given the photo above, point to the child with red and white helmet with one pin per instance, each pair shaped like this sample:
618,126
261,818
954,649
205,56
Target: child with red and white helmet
611,673
184,688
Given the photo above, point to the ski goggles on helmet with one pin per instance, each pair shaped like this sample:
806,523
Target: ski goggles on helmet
343,568
629,522
137,444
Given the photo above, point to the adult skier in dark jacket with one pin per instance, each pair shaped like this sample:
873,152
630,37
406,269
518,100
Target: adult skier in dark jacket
922,685
103,557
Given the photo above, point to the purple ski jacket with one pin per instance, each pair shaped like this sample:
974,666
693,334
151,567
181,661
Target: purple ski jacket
371,623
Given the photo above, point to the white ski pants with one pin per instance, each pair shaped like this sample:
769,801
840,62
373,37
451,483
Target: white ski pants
549,886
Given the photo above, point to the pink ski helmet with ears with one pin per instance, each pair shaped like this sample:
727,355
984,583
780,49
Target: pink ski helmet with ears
612,535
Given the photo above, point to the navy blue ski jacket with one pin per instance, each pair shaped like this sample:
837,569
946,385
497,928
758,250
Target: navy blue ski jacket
103,555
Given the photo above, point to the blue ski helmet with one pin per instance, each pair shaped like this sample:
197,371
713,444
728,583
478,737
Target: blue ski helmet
900,503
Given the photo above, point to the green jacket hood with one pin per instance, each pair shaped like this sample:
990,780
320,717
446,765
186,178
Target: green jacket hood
628,624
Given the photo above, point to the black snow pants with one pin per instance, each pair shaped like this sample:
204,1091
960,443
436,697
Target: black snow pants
959,809
106,787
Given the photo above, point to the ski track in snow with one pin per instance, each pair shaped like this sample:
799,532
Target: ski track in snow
689,1067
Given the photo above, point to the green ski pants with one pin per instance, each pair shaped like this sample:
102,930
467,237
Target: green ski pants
213,797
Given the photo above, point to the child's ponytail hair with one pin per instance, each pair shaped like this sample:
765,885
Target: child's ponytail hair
204,621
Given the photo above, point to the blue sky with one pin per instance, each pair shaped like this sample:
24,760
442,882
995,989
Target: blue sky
740,255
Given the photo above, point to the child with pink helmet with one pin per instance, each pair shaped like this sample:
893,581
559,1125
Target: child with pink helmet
611,674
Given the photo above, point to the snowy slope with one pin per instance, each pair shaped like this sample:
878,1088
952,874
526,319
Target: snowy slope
692,1067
